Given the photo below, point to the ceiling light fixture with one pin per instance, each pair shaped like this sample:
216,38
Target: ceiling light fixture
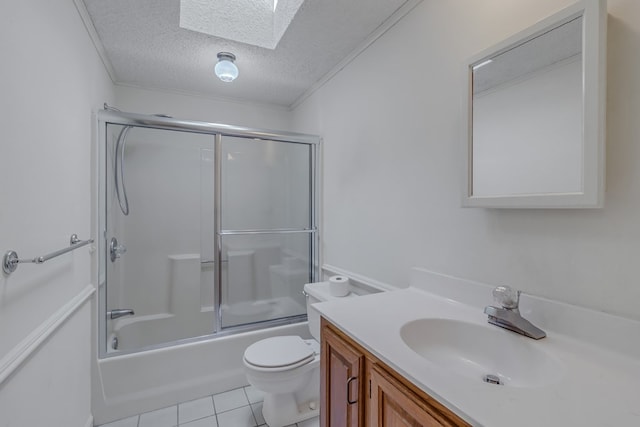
225,69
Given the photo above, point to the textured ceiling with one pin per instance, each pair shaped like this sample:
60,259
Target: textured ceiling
146,47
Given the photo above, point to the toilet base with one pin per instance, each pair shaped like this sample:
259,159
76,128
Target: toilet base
281,410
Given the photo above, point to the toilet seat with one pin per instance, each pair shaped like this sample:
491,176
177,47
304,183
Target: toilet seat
279,353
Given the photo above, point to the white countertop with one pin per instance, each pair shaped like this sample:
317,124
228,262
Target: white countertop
595,387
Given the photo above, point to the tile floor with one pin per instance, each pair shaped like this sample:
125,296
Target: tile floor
241,407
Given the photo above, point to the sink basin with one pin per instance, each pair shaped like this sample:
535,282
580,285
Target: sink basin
476,351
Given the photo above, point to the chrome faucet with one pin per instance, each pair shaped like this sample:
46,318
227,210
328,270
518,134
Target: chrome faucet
119,312
508,314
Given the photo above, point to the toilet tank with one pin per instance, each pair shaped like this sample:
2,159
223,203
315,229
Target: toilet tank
318,292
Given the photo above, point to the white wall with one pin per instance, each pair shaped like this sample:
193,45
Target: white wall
392,163
51,80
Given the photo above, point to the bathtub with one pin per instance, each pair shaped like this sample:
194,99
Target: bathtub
138,332
129,384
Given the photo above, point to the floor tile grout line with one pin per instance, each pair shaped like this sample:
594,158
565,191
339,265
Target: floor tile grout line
215,411
244,389
253,414
213,405
255,419
234,409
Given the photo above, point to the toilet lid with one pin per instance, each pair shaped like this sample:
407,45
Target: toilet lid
277,352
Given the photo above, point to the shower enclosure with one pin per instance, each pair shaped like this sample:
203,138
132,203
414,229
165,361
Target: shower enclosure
204,229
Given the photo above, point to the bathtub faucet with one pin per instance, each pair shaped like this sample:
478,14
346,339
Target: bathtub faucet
119,312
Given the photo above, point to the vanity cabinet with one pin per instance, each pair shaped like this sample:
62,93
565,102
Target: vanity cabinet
341,380
357,389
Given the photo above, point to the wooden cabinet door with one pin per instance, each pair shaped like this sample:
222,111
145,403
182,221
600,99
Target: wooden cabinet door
394,405
341,382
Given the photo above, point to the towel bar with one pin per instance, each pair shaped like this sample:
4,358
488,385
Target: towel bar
11,260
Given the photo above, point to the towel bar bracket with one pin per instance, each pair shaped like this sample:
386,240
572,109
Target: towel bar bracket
11,260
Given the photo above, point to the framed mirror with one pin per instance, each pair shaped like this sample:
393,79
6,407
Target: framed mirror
536,115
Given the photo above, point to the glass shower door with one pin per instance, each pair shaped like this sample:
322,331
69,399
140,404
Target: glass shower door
201,235
159,208
266,237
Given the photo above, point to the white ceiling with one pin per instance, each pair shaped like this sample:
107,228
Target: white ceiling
144,46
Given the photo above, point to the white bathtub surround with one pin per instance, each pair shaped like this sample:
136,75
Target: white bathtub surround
597,355
188,310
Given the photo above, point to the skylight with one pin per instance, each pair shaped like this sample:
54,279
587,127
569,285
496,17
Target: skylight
257,22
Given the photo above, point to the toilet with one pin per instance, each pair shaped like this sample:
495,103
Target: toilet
287,368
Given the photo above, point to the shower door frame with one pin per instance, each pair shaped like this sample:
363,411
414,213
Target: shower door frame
217,131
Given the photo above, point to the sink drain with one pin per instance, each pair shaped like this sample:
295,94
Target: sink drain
492,379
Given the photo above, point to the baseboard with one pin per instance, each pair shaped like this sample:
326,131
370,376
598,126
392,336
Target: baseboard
32,342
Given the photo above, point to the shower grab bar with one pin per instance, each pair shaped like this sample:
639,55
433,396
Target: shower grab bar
11,260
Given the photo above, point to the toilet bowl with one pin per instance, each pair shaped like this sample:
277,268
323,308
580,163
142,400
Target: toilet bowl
287,368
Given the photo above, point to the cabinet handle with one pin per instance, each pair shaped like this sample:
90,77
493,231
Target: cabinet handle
349,401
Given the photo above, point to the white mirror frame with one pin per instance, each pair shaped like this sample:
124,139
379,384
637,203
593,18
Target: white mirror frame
594,14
